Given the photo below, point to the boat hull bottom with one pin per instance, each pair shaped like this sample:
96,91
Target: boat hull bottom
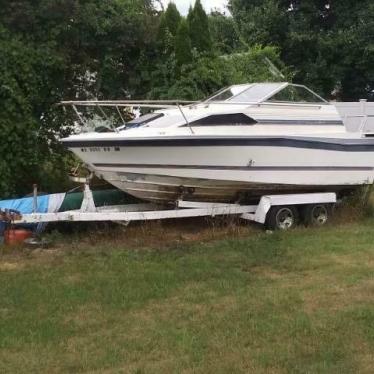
166,190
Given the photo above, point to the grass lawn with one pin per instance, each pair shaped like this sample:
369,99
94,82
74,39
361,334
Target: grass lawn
237,302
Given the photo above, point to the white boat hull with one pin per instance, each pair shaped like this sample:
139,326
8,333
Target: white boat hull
228,173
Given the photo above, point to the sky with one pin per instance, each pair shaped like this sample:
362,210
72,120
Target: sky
183,5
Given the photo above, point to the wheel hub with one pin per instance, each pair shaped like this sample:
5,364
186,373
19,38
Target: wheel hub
319,215
285,219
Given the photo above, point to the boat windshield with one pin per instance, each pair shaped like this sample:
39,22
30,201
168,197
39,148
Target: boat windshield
228,92
255,92
296,94
280,92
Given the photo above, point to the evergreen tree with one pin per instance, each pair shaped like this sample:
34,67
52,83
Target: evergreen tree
199,29
167,30
172,18
183,54
189,14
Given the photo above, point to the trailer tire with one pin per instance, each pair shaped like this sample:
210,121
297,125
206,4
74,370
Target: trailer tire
283,217
316,214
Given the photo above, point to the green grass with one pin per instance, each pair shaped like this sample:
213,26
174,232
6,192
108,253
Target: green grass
296,302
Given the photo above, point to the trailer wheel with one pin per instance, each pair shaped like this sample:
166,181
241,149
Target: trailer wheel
282,218
316,214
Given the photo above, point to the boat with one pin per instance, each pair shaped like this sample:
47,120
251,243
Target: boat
238,144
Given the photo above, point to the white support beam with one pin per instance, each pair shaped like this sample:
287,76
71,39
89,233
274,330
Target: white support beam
132,216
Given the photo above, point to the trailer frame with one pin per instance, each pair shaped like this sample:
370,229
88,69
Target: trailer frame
183,209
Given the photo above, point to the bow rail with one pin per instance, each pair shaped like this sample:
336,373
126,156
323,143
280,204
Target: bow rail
129,103
117,104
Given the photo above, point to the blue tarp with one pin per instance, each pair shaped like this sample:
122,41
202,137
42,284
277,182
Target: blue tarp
45,204
26,205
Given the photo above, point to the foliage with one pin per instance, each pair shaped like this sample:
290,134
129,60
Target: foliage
328,44
256,65
206,75
192,74
52,50
171,18
24,72
224,33
183,47
199,29
167,30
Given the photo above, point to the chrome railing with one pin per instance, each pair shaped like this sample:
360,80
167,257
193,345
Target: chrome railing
117,104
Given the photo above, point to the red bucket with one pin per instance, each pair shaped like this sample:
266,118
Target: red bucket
16,236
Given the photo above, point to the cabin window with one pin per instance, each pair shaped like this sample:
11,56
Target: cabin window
236,119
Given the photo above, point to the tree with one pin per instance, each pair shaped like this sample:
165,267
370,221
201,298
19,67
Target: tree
167,30
199,29
53,50
24,72
224,33
172,18
183,54
328,44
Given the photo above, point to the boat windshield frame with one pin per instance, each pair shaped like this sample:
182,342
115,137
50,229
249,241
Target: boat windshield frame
321,101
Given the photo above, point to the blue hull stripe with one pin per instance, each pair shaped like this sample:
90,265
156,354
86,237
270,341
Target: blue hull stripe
299,122
334,144
246,168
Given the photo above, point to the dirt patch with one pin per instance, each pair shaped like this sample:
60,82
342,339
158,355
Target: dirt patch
365,360
11,266
337,298
266,272
73,279
353,261
86,316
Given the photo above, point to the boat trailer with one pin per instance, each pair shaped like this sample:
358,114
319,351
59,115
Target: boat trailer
278,211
